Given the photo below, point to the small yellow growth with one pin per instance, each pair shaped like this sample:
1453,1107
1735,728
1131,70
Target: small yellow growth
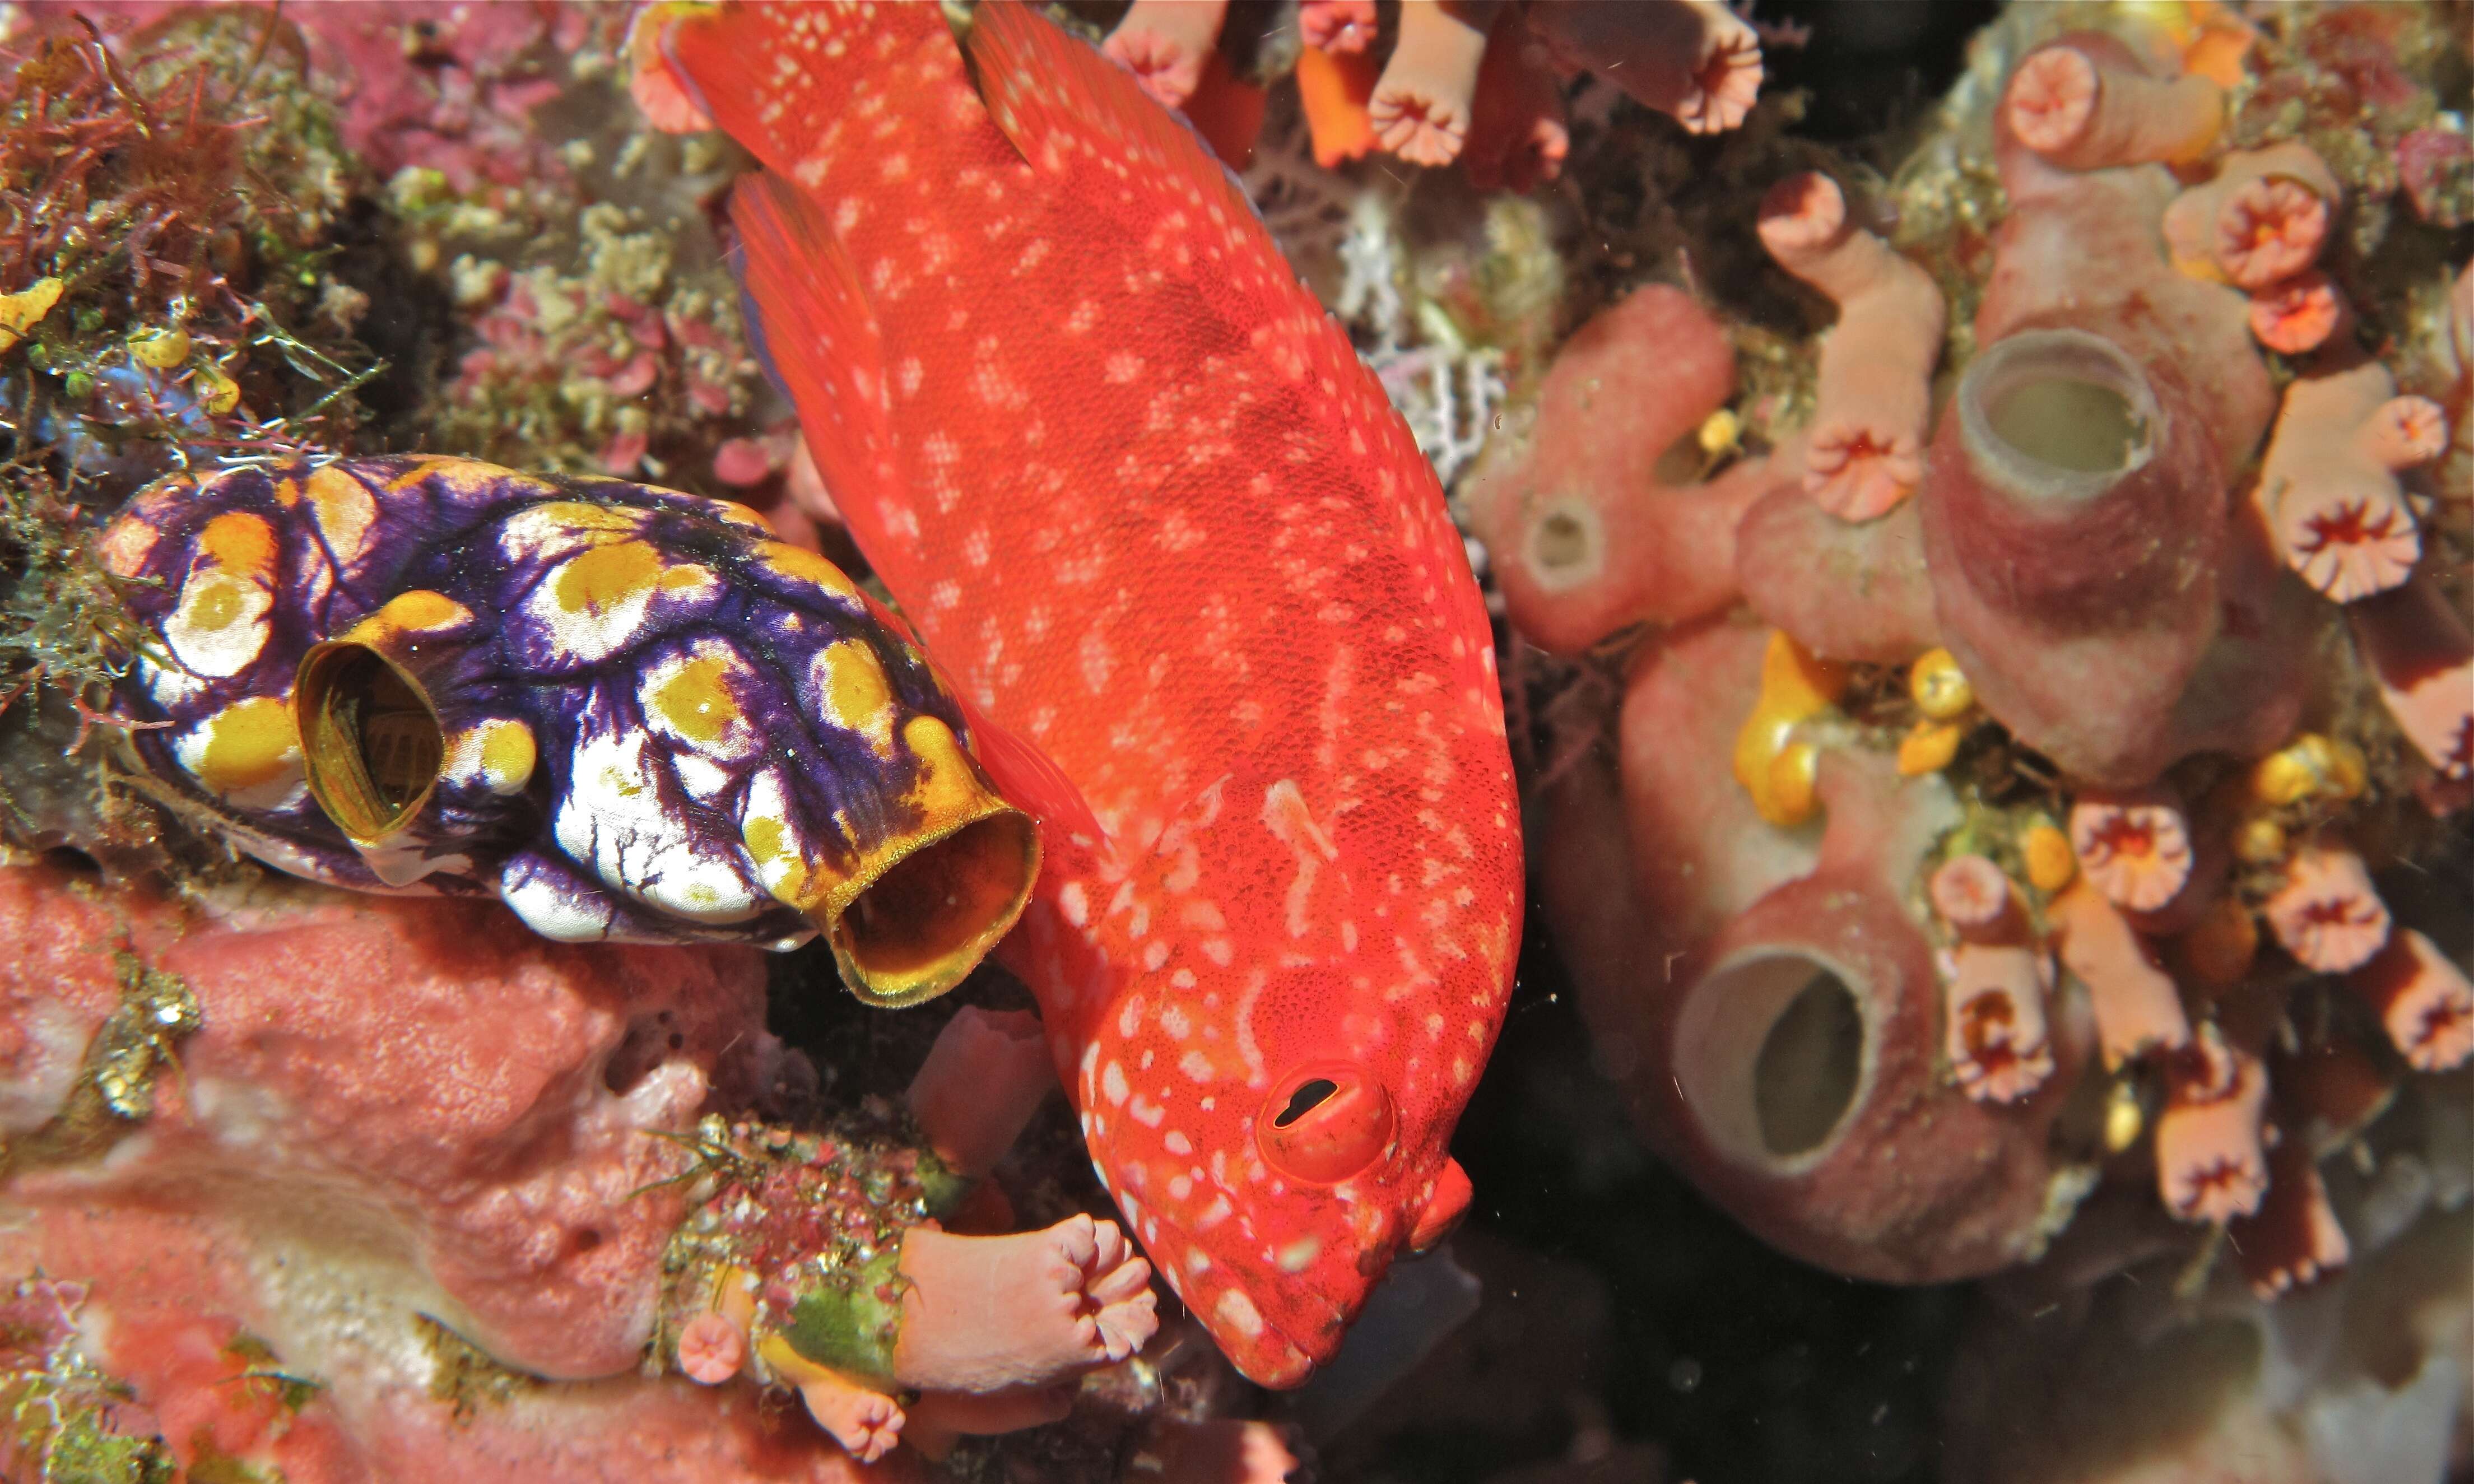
217,393
1721,433
1795,686
1929,747
159,349
2122,1119
2309,766
2259,841
2052,863
1792,777
24,309
737,514
2220,947
1941,691
694,699
249,744
241,544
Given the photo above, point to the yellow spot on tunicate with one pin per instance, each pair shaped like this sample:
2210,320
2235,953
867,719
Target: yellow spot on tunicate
2052,863
22,310
857,695
2122,1119
778,863
601,579
695,699
1929,747
805,566
250,744
947,784
1795,686
1941,691
737,514
240,544
414,611
217,603
508,754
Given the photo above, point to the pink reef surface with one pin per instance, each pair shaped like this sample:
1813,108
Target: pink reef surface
403,1137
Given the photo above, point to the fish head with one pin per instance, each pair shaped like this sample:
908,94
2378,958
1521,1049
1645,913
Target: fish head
1276,1136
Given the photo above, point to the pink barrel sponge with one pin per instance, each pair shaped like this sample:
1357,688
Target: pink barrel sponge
1595,515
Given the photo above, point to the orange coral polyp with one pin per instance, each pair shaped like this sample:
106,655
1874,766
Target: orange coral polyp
2293,1239
712,1348
2298,314
1875,395
2422,658
2210,1164
2327,914
2271,228
2424,1002
2328,486
2135,847
2136,1005
2082,112
1972,893
1994,1019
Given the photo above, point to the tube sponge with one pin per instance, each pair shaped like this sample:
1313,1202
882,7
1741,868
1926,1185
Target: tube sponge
2074,519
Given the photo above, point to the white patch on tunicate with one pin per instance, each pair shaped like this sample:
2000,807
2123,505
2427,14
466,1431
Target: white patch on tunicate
1177,1143
219,626
551,906
613,820
1112,1083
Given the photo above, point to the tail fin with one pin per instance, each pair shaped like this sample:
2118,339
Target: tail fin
782,76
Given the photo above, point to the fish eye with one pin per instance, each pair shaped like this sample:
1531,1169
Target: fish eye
1324,1122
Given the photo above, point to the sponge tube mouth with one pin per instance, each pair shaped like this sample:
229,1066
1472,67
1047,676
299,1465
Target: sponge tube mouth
2056,416
1772,1055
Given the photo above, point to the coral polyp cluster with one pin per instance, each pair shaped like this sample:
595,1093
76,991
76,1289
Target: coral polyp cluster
2025,741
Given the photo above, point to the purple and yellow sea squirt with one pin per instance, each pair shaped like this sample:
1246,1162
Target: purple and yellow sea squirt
629,713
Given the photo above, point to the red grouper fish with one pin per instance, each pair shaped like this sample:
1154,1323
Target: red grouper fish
1148,513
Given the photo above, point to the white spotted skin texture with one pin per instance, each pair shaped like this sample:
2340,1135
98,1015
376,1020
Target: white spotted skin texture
1153,517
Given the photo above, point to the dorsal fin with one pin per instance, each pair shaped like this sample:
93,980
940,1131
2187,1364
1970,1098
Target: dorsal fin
822,342
1043,87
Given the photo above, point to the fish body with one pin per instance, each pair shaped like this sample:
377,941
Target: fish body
1144,505
629,713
